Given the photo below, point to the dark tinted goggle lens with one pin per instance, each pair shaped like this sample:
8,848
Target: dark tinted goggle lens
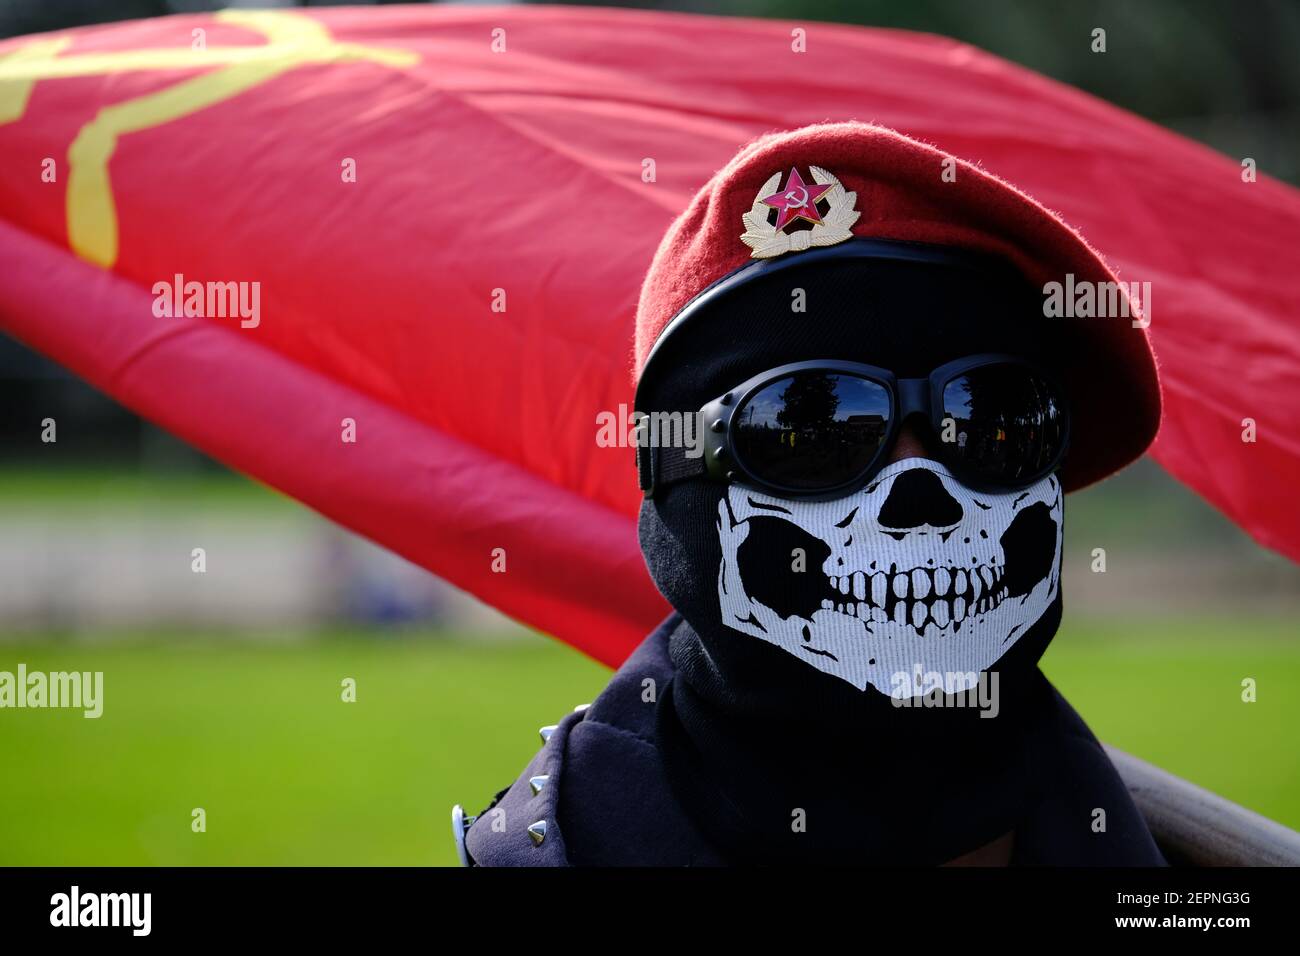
812,430
1010,422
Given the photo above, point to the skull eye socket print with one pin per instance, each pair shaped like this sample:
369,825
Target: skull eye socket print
916,569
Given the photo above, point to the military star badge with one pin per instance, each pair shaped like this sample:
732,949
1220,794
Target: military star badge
798,202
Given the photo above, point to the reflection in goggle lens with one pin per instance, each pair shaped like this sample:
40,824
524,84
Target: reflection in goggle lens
1010,423
812,430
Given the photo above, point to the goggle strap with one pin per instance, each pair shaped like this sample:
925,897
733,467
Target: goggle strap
658,467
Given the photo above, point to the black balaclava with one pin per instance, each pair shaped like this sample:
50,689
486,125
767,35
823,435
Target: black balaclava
778,732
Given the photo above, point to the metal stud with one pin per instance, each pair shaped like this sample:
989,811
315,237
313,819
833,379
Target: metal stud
460,824
545,732
718,425
537,782
725,399
580,708
537,831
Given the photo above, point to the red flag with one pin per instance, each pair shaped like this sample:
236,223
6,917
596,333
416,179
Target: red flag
431,223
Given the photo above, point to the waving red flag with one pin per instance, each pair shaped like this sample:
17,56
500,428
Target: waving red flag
416,237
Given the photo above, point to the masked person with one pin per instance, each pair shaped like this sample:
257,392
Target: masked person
864,550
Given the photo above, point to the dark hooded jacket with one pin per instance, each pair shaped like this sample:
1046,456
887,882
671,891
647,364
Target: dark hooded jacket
607,800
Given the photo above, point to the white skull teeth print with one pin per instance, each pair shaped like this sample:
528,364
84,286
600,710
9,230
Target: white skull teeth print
919,596
915,570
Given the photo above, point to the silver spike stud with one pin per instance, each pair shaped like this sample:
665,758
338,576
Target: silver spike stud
546,732
580,708
537,831
460,824
536,783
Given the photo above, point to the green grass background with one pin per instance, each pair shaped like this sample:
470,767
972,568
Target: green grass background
252,728
256,733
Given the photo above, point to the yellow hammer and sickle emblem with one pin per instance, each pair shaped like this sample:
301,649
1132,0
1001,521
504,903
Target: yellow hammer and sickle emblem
292,40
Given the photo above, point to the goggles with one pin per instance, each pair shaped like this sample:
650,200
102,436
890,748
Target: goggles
823,429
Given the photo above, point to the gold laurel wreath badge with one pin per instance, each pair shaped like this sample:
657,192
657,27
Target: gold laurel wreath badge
762,237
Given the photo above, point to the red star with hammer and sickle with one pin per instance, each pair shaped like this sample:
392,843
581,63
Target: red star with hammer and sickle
797,201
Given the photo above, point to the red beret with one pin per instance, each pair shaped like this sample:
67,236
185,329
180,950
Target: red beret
902,189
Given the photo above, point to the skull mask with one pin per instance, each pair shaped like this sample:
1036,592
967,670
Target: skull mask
913,571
